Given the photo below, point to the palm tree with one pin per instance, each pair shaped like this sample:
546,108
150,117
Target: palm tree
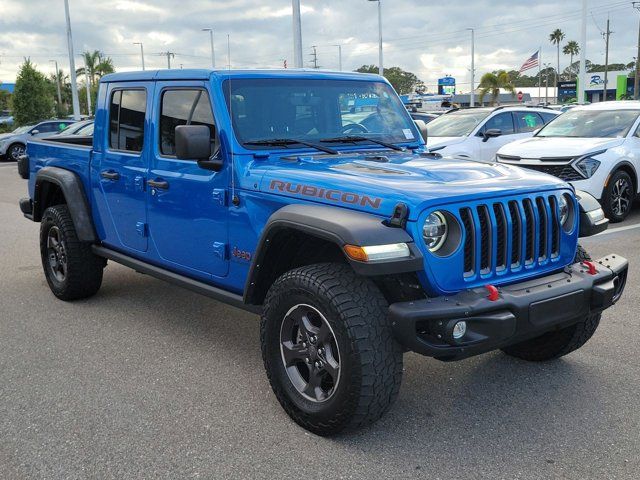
491,83
571,48
95,65
555,38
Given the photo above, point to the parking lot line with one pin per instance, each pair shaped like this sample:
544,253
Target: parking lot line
619,229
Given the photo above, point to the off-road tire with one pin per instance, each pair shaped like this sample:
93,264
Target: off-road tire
609,193
370,358
83,269
555,344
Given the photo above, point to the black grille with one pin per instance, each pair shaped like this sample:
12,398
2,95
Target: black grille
504,231
565,172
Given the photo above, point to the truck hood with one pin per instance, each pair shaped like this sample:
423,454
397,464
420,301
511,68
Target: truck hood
377,181
537,147
434,142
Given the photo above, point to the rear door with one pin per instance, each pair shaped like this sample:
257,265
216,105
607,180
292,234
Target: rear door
121,167
187,204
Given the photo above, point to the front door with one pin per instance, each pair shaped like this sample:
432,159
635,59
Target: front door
122,166
503,122
186,204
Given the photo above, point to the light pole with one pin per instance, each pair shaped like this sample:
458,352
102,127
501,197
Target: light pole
213,52
141,53
472,101
636,79
58,84
72,65
380,67
88,80
583,53
339,56
546,83
297,34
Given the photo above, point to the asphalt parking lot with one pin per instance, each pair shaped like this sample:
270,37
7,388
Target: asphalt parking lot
146,380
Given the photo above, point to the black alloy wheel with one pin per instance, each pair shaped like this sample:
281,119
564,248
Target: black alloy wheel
621,196
56,253
309,353
15,151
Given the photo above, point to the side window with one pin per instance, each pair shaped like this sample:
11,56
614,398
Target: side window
502,121
183,107
47,127
528,121
547,117
126,120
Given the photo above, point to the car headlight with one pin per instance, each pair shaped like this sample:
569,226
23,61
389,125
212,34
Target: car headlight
434,231
587,166
563,209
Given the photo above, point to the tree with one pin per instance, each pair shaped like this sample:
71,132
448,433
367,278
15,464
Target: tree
571,48
555,38
32,97
65,91
491,83
5,100
95,66
403,82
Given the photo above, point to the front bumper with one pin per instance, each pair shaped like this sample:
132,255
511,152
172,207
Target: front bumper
521,311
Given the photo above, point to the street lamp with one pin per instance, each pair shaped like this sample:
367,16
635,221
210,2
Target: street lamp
546,83
297,34
472,101
213,52
141,53
339,56
72,65
380,68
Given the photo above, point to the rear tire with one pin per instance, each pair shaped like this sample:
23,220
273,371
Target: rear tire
14,151
70,267
555,344
326,313
618,196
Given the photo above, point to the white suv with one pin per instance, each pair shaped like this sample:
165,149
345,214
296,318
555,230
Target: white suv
594,147
478,133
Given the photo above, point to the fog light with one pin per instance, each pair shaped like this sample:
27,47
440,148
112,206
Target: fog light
459,329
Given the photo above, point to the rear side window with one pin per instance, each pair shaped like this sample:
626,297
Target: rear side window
183,107
502,122
547,117
126,120
528,121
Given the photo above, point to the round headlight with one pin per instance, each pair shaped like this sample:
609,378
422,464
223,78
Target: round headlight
563,209
434,231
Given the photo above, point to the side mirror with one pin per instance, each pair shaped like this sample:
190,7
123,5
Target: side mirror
492,132
35,132
193,142
422,126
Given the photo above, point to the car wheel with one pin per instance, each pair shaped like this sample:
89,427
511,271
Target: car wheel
618,196
328,348
15,150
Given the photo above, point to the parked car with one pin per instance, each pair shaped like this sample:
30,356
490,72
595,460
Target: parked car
595,147
425,117
13,144
83,127
478,133
352,242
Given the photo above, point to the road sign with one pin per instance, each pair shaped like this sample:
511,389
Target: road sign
520,96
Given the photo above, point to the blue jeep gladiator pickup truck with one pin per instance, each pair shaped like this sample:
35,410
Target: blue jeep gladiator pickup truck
284,193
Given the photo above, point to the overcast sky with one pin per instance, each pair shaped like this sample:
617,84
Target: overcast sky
425,37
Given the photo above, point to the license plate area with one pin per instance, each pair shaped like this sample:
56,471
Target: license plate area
563,307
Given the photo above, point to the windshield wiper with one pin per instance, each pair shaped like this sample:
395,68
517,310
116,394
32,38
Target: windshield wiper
356,139
291,141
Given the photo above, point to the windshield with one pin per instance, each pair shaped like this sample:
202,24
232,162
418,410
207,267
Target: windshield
21,130
456,124
316,110
591,124
74,128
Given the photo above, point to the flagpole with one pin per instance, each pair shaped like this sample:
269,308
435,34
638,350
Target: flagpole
539,72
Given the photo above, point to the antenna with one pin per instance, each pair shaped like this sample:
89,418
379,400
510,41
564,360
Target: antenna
234,198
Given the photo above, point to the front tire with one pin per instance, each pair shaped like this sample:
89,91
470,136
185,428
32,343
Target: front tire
618,196
70,267
555,344
328,348
14,151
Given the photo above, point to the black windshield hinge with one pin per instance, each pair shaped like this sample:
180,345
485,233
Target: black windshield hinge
399,217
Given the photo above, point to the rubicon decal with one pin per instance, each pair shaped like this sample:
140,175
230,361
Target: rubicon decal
336,196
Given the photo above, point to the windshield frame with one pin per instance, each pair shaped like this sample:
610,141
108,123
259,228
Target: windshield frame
229,82
574,111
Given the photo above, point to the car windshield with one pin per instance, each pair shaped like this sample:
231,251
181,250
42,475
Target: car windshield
315,110
21,130
73,128
591,124
456,124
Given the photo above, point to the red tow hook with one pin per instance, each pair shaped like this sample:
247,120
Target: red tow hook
591,268
493,293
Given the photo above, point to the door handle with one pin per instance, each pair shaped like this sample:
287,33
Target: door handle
110,175
161,184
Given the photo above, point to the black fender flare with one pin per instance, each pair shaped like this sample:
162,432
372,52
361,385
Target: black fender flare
592,219
341,227
74,194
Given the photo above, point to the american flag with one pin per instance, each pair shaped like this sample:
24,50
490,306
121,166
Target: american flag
531,62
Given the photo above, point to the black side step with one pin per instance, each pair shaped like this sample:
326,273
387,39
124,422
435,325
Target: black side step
171,277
